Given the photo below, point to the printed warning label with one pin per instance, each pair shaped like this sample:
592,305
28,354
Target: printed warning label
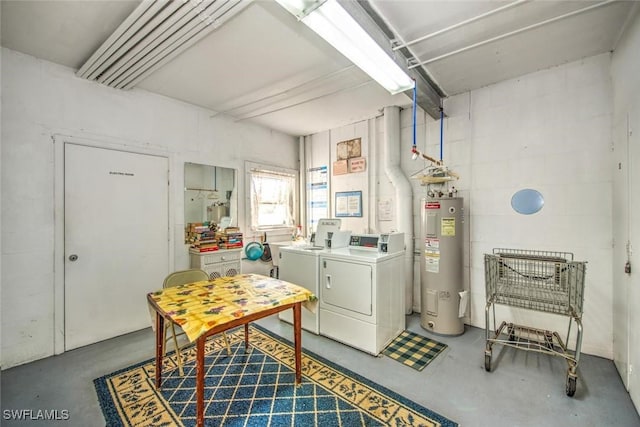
431,243
448,227
432,260
432,205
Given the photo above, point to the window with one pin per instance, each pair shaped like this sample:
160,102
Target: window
272,193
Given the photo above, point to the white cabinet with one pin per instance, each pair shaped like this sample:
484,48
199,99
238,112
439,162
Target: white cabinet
225,262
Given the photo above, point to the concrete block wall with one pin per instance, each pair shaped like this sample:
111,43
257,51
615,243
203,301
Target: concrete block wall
550,131
41,99
358,181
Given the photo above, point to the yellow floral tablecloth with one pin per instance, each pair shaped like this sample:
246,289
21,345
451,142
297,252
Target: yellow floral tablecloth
197,307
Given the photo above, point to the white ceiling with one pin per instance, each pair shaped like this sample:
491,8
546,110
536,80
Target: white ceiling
266,67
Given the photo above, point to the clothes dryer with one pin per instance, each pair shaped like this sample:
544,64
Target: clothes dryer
362,293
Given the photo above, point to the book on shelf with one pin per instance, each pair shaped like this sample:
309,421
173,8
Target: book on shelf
203,236
203,250
207,245
230,245
205,242
208,249
226,238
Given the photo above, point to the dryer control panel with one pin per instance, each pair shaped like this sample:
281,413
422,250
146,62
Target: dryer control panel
385,242
364,241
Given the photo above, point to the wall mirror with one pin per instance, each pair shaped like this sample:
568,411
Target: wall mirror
209,193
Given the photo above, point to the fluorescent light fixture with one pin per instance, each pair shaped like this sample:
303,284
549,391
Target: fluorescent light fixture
334,24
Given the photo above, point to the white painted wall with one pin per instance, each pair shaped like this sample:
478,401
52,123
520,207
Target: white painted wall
40,99
551,131
321,150
358,181
625,69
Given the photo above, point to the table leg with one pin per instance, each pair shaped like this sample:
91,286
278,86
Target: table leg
246,336
159,348
200,382
297,338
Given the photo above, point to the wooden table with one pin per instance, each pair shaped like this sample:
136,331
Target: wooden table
207,308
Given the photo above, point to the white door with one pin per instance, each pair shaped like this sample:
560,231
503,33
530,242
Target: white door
626,223
621,223
116,240
347,285
634,238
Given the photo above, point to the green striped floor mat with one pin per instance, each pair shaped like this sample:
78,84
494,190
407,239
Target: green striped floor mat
414,350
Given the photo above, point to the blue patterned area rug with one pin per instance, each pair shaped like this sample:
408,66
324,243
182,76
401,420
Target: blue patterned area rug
255,388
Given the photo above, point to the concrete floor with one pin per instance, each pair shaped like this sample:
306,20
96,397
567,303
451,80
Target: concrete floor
523,389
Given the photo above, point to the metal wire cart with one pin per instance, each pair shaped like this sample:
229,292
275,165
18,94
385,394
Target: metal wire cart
550,282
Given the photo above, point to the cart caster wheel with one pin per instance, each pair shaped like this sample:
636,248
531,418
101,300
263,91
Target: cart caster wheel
487,362
571,386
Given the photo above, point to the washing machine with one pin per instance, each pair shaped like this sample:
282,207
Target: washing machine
299,264
362,292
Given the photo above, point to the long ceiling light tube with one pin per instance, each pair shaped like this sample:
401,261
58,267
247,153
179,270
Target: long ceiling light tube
109,46
156,21
460,24
428,92
151,40
183,43
334,24
511,33
166,33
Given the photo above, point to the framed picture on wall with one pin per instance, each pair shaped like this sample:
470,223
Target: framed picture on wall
349,204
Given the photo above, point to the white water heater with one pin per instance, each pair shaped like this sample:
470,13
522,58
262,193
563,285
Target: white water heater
442,304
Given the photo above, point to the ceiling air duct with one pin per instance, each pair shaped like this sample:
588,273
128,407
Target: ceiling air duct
155,33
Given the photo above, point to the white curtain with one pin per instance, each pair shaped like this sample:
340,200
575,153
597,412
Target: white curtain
272,199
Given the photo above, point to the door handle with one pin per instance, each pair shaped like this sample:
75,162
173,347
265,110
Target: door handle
328,281
73,257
